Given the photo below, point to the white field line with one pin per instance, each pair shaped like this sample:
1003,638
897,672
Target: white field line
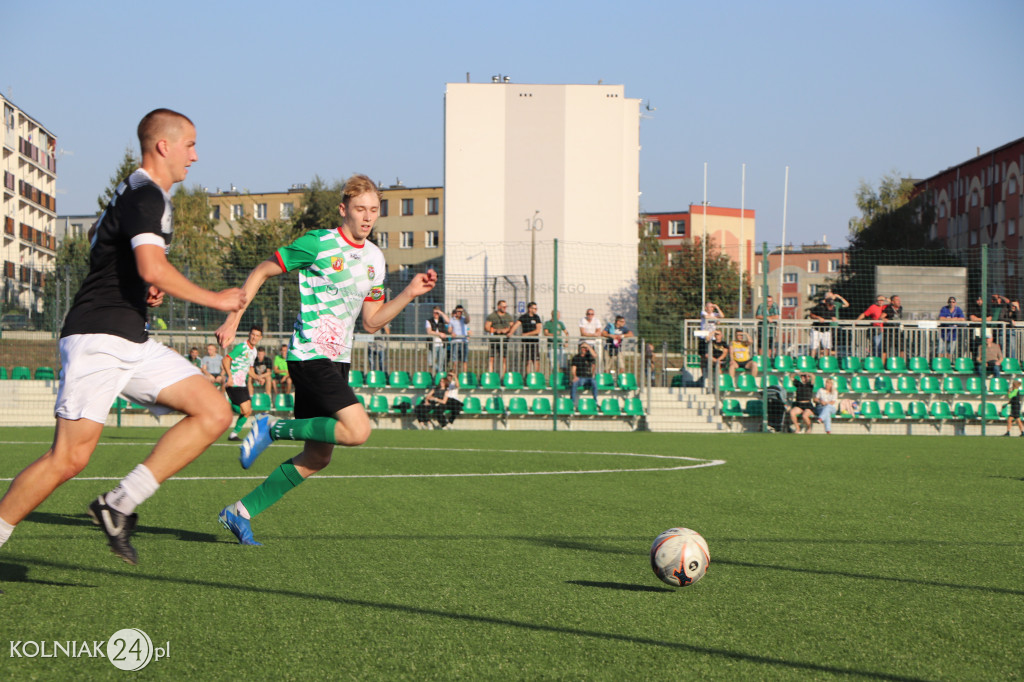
692,463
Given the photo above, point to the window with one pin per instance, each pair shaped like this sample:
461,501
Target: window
676,228
652,228
432,239
261,211
1011,227
404,271
9,116
215,213
974,199
287,209
789,278
974,238
759,264
790,302
942,210
382,240
812,289
236,212
406,240
383,208
407,206
833,265
1012,189
433,206
812,266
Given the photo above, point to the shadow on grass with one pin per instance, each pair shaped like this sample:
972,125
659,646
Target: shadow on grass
15,573
84,520
407,610
627,587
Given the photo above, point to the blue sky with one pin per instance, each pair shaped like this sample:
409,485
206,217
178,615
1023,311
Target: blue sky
838,91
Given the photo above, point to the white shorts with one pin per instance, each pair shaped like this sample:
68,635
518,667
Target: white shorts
95,368
821,339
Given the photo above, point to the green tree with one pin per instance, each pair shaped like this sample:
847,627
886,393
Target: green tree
319,206
255,241
71,265
129,162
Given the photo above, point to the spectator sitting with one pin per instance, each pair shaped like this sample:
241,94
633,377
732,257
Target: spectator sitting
430,402
436,326
452,402
260,373
281,376
193,357
827,400
993,357
211,366
719,353
741,355
581,372
803,404
948,332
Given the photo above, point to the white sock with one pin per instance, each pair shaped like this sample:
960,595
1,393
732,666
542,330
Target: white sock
241,510
5,531
134,489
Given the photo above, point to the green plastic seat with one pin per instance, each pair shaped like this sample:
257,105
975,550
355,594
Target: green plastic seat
676,381
731,408
930,384
361,399
896,365
883,384
635,408
964,411
940,410
423,380
20,373
471,405
260,402
725,384
119,404
850,365
611,407
860,384
990,412
872,364
1005,412
918,365
378,405
964,366
783,363
467,380
998,386
842,384
953,385
917,410
400,380
3,373
402,404
869,410
942,365
759,363
494,405
606,381
754,408
906,385
587,407
356,379
513,381
376,379
627,382
490,381
561,381
284,402
973,385
828,363
806,363
893,410
746,383
541,406
536,381
1011,365
564,406
44,374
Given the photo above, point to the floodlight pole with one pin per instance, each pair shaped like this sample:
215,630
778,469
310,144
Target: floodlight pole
740,255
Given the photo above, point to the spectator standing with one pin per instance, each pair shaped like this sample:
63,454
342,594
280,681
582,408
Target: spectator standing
591,328
875,311
530,324
581,373
768,310
615,333
458,328
554,329
498,325
974,315
950,312
377,349
894,342
436,327
1010,316
824,314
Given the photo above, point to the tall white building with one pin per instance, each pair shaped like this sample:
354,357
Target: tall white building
544,162
29,208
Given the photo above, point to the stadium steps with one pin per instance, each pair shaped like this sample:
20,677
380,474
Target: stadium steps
682,409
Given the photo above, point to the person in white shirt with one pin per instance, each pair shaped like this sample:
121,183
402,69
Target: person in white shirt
826,402
591,328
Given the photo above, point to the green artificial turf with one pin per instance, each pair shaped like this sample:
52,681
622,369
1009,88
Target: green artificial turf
831,558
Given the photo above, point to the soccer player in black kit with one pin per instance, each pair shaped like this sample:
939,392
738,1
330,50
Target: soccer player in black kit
105,350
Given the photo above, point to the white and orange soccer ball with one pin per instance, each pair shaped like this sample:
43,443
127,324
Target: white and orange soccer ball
680,557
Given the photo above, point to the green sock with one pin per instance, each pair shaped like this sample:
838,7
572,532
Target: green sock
240,423
283,479
319,429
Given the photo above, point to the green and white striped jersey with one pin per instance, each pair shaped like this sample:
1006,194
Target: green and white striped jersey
242,357
335,278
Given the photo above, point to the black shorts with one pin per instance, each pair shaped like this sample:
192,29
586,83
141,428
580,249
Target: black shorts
530,349
804,405
496,343
321,387
238,395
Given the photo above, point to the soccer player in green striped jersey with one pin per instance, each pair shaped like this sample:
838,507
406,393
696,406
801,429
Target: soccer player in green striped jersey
341,276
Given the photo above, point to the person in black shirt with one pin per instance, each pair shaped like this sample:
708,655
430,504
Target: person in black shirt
824,314
894,342
803,404
105,350
531,325
581,372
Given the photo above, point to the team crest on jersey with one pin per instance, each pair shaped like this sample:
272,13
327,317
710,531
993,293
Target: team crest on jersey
337,264
370,272
377,293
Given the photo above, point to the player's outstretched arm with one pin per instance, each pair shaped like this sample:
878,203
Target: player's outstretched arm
259,274
156,270
377,314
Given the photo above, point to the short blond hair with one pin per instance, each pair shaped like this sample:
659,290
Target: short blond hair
356,185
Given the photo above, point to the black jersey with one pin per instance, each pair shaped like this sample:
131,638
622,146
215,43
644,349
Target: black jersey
529,323
112,299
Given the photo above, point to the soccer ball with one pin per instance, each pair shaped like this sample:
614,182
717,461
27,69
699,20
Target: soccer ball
680,557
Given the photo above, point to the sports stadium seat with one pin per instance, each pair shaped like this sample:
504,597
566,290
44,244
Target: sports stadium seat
973,385
872,364
362,399
783,363
564,406
490,381
964,411
45,373
940,410
471,405
541,406
517,406
356,379
494,405
725,384
860,384
754,408
378,404
842,384
376,379
998,386
930,384
906,385
627,381
605,381
964,366
942,365
918,365
20,373
917,410
1005,412
560,380
260,402
402,404
894,410
896,365
1010,366
635,408
587,407
467,380
731,408
513,381
536,381
990,413
869,410
806,363
828,363
611,407
400,380
423,380
953,385
850,364
284,402
883,384
3,373
119,404
746,383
